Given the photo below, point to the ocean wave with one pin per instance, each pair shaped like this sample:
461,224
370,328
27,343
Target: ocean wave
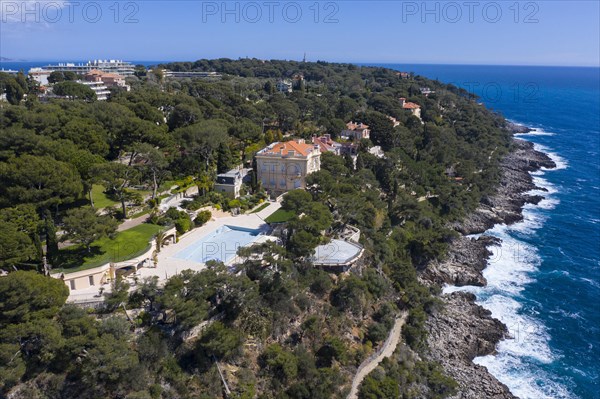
511,263
522,380
567,314
591,282
537,131
560,162
528,344
532,218
545,184
527,336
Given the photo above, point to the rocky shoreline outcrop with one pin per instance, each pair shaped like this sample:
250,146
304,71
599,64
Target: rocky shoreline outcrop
462,330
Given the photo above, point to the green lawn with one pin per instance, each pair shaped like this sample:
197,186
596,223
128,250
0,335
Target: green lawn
166,185
100,199
280,216
126,245
260,208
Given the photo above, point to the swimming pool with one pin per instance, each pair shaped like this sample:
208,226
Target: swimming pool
220,244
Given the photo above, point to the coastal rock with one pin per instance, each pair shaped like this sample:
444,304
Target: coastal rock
464,263
459,332
505,206
463,330
514,128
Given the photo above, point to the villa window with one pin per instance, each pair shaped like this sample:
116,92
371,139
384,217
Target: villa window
91,280
72,284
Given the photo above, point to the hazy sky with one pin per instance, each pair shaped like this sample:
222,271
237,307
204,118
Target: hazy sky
466,32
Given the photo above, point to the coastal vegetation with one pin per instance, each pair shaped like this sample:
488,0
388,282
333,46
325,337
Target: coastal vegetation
279,327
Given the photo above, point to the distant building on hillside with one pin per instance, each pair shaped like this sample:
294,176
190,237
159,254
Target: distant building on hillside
403,75
9,71
102,92
189,74
426,91
40,75
283,166
394,121
356,131
414,108
109,79
327,144
377,151
284,86
113,66
298,81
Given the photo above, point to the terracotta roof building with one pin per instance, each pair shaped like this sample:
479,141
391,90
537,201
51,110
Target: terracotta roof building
283,166
327,144
414,108
109,79
356,131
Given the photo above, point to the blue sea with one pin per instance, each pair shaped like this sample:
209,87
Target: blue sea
544,280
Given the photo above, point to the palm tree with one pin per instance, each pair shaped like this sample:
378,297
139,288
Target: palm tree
160,240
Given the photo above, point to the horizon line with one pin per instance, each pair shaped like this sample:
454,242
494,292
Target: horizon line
360,63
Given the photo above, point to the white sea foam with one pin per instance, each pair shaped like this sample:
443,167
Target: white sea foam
560,162
507,274
537,131
521,379
512,262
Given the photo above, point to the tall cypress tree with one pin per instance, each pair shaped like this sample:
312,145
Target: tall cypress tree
51,239
224,158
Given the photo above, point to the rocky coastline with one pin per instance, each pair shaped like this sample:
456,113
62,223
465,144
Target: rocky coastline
461,330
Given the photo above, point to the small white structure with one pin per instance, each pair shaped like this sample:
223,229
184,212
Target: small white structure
377,151
337,255
394,121
426,91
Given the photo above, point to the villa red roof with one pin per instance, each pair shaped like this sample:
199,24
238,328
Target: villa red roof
410,105
356,126
283,148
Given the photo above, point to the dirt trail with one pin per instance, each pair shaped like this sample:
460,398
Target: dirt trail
386,350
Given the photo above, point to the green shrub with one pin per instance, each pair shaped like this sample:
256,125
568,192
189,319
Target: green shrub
377,332
183,225
202,218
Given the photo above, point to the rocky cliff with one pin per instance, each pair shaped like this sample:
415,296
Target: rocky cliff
462,330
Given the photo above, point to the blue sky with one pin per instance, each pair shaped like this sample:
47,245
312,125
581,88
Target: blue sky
461,32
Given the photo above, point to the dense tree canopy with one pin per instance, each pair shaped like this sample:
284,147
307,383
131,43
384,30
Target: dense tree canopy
278,326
